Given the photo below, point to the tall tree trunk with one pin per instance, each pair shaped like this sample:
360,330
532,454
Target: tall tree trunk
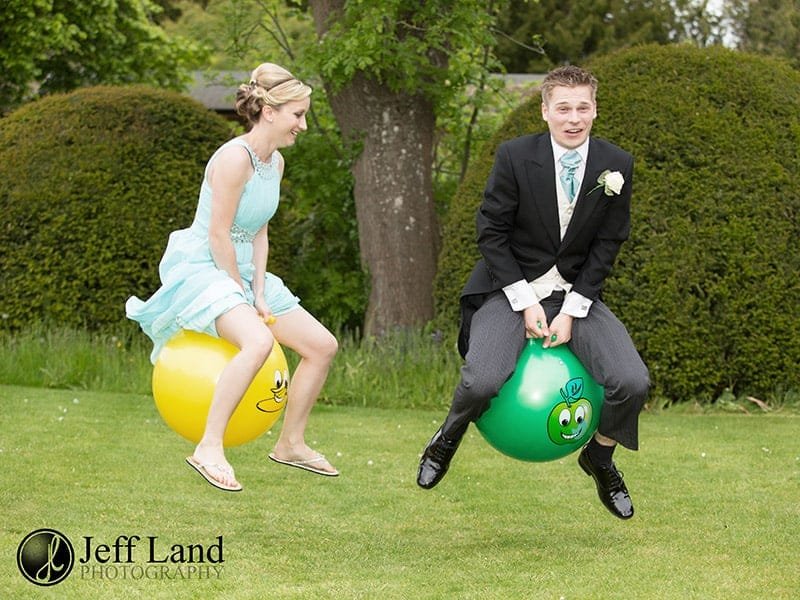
397,223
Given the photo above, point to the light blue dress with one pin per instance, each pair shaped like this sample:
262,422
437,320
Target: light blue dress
194,292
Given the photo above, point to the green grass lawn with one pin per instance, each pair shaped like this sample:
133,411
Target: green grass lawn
717,508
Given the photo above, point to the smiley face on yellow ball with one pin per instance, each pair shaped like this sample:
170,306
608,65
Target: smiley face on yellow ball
184,378
278,393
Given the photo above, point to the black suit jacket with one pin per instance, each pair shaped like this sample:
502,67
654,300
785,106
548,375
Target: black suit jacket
519,231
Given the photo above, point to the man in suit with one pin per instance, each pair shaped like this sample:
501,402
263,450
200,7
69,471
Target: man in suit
556,210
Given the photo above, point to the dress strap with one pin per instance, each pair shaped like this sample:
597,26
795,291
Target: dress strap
254,160
234,141
266,170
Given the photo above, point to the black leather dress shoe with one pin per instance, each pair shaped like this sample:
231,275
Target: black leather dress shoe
436,460
610,486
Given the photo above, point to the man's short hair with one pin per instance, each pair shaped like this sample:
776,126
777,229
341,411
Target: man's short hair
567,76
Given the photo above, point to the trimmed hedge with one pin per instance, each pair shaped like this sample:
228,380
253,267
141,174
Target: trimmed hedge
91,184
708,282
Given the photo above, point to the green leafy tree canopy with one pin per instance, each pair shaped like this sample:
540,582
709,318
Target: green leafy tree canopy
432,48
58,45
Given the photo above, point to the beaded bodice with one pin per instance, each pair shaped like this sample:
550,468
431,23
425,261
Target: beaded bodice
265,170
241,235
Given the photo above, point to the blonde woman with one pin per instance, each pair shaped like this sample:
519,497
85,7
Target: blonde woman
214,278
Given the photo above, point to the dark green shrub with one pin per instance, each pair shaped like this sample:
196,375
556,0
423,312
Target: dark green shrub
91,184
708,282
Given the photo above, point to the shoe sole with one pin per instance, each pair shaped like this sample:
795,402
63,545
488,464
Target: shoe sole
303,466
613,512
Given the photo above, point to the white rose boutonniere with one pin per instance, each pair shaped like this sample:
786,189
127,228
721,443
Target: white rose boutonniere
612,181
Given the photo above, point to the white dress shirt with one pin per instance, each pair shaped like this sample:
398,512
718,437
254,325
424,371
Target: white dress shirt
522,294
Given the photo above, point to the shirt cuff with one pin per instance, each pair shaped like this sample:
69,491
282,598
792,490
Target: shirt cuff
520,295
576,305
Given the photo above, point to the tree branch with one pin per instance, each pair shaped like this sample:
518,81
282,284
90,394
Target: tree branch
539,49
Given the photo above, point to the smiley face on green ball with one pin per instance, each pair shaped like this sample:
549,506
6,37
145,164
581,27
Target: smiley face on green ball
570,419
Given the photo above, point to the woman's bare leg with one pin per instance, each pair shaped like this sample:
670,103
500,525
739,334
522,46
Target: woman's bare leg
317,347
242,327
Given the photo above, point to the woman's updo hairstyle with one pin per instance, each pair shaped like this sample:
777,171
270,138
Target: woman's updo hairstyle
270,85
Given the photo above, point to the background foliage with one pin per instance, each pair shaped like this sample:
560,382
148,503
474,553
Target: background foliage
57,45
766,27
430,49
708,280
535,36
91,184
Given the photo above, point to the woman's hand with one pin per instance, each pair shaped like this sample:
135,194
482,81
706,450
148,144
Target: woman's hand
264,311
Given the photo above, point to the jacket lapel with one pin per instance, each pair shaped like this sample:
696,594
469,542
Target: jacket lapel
542,180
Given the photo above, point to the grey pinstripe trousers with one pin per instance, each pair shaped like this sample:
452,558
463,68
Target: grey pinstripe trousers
600,341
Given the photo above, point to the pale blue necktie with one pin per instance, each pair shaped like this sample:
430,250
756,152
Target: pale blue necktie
570,161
